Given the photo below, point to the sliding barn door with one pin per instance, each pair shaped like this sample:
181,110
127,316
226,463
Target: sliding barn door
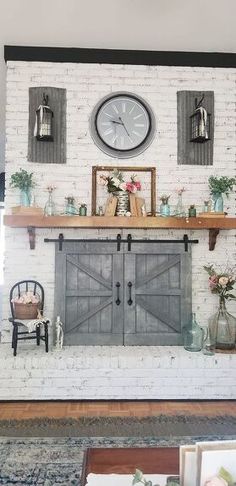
157,293
89,293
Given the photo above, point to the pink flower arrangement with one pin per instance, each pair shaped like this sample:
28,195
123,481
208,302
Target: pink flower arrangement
27,298
133,186
115,182
221,283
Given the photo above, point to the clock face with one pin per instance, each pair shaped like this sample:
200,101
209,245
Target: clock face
122,125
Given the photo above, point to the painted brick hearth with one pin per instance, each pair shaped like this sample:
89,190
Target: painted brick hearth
116,372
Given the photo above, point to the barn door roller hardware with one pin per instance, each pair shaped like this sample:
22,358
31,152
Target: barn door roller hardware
185,241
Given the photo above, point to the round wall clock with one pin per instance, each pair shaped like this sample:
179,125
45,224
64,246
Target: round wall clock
122,125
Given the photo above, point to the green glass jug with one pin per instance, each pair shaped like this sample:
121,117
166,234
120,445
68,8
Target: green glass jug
193,335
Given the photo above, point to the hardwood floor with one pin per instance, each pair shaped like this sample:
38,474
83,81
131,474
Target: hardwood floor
26,410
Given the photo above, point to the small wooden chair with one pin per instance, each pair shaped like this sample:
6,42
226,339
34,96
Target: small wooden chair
16,291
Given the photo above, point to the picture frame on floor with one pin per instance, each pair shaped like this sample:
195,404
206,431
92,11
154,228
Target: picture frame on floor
187,465
212,456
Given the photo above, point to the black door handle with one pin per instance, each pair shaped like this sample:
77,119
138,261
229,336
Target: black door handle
129,301
118,293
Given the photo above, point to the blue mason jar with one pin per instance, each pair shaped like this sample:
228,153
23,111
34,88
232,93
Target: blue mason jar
218,203
25,197
164,207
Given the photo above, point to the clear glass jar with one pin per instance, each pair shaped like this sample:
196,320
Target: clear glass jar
165,208
100,211
208,343
207,206
222,327
193,335
70,208
179,209
50,208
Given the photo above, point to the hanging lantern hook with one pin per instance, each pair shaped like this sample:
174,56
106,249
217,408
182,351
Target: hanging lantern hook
198,104
45,99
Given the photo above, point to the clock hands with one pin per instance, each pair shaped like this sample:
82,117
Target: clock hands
117,122
121,123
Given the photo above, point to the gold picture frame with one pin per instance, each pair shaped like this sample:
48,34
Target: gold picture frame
109,168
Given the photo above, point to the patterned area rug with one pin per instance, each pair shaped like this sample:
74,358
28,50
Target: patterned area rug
58,461
157,426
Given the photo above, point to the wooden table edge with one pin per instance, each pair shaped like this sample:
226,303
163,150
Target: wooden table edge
88,454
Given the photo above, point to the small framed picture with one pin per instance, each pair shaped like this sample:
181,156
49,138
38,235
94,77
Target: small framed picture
212,456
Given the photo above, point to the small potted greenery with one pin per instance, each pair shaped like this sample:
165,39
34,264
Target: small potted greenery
219,186
23,180
138,478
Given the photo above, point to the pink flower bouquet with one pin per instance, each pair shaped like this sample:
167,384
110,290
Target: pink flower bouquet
221,283
27,298
115,182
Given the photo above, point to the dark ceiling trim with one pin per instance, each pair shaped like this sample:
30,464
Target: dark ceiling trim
116,56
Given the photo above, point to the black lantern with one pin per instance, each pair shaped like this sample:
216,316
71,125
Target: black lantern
200,123
43,124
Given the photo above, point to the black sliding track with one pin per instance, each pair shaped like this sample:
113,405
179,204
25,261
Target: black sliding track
185,241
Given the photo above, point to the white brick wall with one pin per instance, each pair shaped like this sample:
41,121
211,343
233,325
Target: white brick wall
85,85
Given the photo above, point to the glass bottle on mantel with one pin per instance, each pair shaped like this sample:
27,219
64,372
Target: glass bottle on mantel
218,203
193,335
25,197
50,208
164,207
208,343
222,326
83,210
179,209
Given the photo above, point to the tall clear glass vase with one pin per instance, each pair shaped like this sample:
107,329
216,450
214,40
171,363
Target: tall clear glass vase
50,208
222,327
179,209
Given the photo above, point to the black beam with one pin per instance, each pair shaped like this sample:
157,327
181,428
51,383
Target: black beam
118,56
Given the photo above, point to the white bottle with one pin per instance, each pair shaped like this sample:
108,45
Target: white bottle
59,333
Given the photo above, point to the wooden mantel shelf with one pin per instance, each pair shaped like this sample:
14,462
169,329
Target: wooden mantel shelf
22,221
35,221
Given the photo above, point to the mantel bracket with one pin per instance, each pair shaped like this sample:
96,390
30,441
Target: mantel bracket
31,233
213,233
